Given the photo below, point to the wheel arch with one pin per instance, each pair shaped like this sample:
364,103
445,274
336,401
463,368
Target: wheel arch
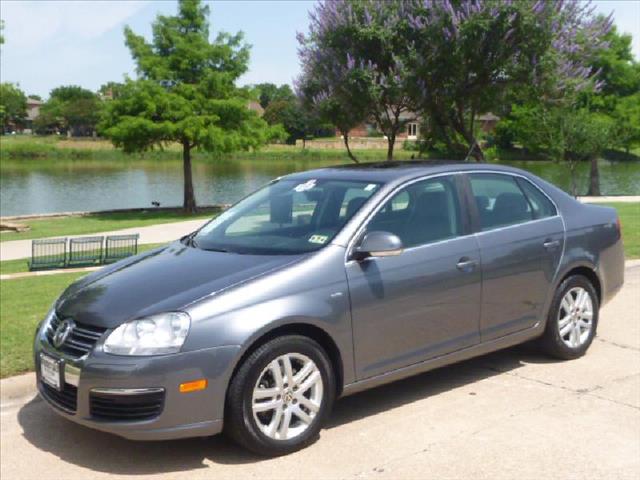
587,271
309,330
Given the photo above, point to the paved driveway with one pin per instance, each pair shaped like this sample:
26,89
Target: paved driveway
513,414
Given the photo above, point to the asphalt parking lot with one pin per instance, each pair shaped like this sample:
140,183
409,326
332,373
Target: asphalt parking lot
512,414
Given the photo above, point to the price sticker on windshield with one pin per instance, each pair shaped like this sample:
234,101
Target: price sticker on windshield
303,187
321,239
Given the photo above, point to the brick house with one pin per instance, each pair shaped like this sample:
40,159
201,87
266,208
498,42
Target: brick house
411,130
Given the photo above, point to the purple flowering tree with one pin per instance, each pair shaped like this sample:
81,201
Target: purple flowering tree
354,65
471,56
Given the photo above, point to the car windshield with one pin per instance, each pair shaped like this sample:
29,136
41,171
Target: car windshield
286,217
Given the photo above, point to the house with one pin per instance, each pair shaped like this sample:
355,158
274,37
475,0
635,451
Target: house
256,107
488,122
33,109
411,130
33,112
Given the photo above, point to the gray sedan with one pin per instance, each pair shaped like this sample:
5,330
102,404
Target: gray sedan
322,284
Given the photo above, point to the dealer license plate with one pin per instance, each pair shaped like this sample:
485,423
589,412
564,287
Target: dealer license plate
50,371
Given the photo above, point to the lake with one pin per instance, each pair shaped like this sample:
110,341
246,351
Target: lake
28,187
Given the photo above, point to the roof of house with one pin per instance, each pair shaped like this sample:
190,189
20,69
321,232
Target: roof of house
488,117
34,101
256,107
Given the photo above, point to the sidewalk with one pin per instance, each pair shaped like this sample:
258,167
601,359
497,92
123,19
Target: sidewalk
163,233
609,199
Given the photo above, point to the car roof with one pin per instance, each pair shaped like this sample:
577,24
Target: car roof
385,172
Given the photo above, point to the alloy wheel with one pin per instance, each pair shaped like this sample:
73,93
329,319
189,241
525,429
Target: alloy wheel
575,317
287,396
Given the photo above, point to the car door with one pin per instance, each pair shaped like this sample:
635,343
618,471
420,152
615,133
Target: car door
424,302
521,239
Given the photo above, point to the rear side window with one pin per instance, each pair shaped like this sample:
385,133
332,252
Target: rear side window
540,204
500,200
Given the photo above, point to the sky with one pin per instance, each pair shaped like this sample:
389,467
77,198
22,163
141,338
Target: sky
49,43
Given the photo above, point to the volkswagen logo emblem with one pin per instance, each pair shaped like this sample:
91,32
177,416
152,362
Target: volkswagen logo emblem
62,332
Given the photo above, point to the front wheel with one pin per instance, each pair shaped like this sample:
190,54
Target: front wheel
280,396
573,319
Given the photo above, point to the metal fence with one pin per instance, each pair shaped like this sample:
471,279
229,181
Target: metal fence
118,247
48,253
83,251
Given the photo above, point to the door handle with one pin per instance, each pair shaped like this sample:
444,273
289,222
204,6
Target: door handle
466,264
551,244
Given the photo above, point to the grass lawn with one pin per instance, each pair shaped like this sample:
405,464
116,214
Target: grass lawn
630,219
95,223
50,148
23,304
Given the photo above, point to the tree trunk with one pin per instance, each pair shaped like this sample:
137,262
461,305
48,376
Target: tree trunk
189,203
478,154
594,178
574,186
345,136
391,140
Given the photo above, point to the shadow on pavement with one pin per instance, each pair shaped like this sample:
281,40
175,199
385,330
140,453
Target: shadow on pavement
108,453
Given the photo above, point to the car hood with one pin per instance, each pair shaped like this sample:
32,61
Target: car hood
162,280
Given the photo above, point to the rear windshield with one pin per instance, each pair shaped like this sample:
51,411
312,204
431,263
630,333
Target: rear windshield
286,217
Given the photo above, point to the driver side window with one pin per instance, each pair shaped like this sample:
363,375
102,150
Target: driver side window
422,213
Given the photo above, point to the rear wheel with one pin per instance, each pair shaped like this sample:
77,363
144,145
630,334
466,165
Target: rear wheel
573,319
280,396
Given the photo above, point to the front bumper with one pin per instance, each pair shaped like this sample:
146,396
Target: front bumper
192,414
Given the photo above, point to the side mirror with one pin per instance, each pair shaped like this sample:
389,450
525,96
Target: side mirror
378,244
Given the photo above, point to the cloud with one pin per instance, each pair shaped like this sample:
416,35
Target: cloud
29,24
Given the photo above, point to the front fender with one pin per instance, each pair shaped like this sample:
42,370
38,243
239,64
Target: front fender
313,292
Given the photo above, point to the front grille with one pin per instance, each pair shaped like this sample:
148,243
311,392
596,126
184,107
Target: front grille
143,406
66,400
81,340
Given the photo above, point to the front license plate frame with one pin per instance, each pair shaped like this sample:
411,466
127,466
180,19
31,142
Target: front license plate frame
51,371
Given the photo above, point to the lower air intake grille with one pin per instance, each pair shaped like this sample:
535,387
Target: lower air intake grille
141,406
65,400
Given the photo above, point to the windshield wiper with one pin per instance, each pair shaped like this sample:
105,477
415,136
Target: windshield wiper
189,240
215,250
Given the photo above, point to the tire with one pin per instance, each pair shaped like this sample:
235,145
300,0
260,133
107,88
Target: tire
262,432
561,338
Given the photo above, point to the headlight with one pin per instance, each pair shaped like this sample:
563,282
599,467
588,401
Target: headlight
155,335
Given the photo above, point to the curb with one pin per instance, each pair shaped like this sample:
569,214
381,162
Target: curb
18,387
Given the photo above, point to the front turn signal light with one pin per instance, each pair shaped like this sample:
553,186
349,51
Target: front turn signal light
193,386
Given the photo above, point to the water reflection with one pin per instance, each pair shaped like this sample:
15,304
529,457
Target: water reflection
58,186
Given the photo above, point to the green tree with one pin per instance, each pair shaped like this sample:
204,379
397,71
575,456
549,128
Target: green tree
471,56
618,73
110,90
13,106
627,122
1,30
587,135
563,132
297,122
185,93
70,108
270,92
354,62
